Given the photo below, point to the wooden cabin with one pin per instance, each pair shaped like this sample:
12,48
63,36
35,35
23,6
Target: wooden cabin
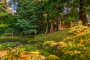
65,25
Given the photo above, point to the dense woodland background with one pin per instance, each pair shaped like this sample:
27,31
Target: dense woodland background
35,16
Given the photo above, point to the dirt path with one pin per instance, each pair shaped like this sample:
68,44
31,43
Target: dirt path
25,55
3,53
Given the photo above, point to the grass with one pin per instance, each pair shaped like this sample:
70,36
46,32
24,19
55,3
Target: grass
45,52
57,36
41,51
36,44
16,38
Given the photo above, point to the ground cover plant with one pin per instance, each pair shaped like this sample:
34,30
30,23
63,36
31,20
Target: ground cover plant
14,55
8,45
37,57
29,48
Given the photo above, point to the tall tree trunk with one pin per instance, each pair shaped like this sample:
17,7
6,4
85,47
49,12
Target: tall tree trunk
52,28
57,24
82,10
47,28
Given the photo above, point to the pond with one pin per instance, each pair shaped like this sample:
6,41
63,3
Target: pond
12,42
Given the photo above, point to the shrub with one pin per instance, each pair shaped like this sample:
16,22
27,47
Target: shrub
37,57
14,55
46,44
29,48
3,28
8,44
72,47
73,51
40,38
52,57
79,29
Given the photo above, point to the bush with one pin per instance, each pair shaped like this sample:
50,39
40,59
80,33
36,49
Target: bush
52,57
14,55
39,38
3,28
75,47
79,29
29,48
37,57
8,45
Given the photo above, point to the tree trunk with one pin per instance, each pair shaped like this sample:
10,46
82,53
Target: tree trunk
47,28
52,28
82,10
57,24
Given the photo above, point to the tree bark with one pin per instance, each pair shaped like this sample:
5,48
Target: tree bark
57,24
47,28
52,28
82,10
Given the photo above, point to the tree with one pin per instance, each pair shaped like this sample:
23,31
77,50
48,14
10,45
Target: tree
47,28
82,13
53,11
26,17
74,13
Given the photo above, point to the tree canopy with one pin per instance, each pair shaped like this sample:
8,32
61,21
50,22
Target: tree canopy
30,18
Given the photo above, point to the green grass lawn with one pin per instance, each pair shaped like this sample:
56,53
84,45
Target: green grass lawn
56,36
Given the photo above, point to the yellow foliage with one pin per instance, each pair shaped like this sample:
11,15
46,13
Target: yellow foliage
63,44
37,57
79,29
52,57
53,44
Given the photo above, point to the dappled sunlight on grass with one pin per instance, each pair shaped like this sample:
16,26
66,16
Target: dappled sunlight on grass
57,36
